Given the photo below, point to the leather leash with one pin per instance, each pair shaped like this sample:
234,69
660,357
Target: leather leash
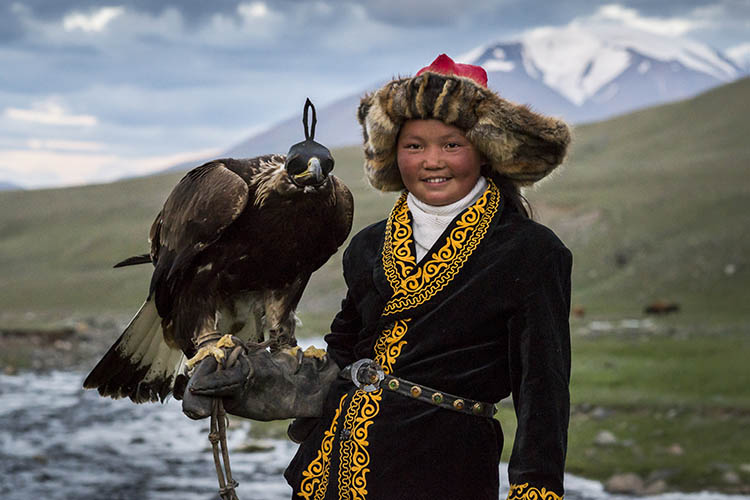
218,437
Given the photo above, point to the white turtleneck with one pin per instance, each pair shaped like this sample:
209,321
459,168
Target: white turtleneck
429,221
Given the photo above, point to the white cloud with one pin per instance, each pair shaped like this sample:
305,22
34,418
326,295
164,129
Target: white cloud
669,26
322,8
252,10
46,168
94,22
64,145
49,113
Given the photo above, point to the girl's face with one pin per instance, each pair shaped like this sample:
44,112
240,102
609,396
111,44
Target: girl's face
437,163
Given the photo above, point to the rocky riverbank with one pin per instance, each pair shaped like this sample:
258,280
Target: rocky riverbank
641,423
72,345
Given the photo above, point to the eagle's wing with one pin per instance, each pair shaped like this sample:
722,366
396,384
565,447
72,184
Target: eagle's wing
141,365
204,203
344,210
200,207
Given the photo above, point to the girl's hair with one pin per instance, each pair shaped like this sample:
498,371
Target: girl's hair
510,192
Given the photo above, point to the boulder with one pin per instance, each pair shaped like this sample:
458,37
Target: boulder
656,488
605,438
627,484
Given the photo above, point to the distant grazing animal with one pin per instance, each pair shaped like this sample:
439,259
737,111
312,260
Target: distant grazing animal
578,311
661,307
233,249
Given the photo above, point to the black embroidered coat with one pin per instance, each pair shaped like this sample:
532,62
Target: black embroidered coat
484,315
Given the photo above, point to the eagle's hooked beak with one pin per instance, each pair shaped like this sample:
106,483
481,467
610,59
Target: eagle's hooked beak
313,176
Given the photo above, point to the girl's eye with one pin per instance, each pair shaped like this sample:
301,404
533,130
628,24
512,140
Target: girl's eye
452,145
411,146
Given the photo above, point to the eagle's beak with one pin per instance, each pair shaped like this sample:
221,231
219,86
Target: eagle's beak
313,175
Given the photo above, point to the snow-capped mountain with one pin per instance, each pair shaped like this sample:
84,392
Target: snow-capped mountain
580,73
585,73
9,186
740,55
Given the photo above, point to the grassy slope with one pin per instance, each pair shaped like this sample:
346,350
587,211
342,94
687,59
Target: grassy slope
667,188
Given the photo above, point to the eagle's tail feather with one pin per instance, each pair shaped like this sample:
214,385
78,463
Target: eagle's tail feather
161,360
119,370
139,365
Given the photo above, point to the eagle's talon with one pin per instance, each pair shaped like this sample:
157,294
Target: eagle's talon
234,355
204,352
314,352
257,346
226,341
292,351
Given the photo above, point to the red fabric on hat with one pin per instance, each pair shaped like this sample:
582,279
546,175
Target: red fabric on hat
444,65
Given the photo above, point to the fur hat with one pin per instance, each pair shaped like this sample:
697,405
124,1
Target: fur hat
519,144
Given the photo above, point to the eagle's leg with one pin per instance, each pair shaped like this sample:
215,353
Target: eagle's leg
279,308
242,316
210,342
258,311
215,348
281,332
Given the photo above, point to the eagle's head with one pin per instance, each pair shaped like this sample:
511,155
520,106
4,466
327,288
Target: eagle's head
308,163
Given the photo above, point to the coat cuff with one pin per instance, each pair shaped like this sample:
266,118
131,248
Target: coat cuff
527,491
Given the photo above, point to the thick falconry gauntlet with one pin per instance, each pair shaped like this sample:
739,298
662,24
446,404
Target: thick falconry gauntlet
261,385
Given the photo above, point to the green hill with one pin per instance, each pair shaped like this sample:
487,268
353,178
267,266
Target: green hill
665,193
653,205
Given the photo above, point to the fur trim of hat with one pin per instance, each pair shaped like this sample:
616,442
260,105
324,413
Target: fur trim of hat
519,144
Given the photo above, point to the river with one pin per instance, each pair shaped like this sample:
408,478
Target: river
58,441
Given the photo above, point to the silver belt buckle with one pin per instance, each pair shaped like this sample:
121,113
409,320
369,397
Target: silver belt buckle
367,375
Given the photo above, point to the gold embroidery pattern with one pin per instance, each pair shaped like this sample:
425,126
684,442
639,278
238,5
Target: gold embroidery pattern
396,250
526,492
363,408
353,468
315,478
412,288
389,345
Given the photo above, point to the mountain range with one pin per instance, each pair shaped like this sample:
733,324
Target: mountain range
8,186
580,73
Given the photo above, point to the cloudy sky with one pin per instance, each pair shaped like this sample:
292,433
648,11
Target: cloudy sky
94,90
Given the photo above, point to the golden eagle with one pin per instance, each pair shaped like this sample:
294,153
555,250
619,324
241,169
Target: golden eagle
233,249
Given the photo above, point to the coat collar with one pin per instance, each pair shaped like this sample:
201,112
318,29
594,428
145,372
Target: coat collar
407,285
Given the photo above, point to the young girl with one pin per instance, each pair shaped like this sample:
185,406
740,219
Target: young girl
456,301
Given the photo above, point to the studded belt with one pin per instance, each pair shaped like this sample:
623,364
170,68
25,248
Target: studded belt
368,376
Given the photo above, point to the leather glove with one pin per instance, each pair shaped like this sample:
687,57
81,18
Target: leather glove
262,385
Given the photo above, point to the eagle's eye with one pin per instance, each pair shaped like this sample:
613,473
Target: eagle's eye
294,165
327,165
